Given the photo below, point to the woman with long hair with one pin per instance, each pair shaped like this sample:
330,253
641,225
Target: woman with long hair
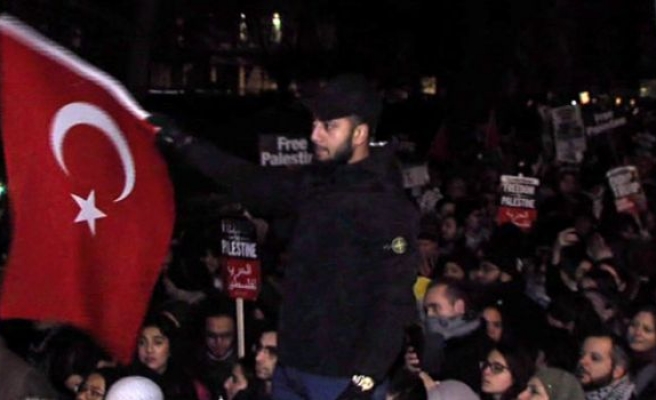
158,358
641,338
96,384
505,372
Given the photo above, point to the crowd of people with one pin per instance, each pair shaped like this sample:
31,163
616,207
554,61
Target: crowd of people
562,310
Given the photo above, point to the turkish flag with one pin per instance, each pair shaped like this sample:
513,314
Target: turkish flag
90,199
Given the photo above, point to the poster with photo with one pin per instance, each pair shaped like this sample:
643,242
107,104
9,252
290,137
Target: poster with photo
627,189
569,134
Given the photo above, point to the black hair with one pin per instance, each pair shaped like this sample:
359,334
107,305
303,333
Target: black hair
520,365
72,352
619,349
109,375
406,385
225,307
169,328
649,308
454,290
577,309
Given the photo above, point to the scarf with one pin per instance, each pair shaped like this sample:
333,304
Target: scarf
438,332
620,390
453,327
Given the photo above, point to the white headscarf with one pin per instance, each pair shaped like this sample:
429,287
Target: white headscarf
134,388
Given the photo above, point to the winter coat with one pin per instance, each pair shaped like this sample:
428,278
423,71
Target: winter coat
353,256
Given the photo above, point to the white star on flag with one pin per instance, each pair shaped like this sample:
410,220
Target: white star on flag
89,213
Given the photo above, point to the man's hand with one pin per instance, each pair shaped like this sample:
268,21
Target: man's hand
566,237
412,361
169,135
361,387
597,248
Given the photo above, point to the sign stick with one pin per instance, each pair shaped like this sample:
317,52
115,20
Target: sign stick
240,327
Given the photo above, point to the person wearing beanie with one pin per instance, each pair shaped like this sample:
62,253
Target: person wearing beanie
500,257
552,384
458,264
351,193
499,279
134,388
451,390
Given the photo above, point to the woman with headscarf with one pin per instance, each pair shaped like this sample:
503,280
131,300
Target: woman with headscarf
552,384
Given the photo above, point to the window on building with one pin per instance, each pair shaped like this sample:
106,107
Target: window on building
276,28
243,28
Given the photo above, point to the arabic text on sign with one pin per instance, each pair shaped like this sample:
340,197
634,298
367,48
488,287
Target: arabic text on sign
249,284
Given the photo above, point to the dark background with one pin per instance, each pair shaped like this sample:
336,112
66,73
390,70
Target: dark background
483,54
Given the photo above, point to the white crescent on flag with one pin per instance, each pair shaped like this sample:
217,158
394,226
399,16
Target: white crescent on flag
74,114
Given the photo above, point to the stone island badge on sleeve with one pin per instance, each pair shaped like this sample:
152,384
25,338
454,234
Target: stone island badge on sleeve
399,245
364,382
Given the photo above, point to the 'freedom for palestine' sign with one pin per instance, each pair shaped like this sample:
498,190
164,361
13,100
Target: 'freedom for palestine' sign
517,201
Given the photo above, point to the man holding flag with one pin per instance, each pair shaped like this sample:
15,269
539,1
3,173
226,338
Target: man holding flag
353,254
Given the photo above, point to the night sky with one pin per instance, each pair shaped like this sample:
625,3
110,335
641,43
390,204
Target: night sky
481,52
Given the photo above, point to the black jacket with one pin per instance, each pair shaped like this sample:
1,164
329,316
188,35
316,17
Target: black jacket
352,257
458,355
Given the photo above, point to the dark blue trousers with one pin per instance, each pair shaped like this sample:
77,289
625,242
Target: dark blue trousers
292,384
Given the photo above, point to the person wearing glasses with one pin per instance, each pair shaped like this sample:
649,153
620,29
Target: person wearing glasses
505,372
97,383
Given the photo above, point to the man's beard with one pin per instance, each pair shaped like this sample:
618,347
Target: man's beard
343,153
596,383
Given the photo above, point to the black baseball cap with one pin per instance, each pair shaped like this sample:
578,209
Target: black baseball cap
346,95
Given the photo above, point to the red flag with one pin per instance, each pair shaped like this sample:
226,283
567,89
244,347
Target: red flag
492,138
439,147
92,206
